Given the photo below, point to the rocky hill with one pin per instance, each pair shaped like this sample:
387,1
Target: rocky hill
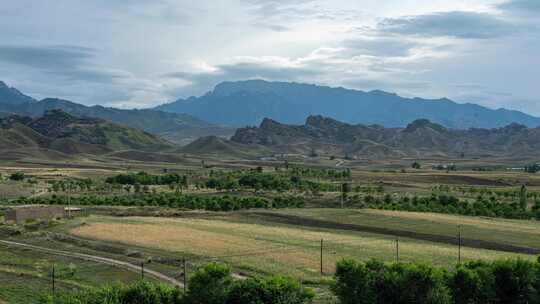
248,102
216,146
419,138
59,131
12,96
178,128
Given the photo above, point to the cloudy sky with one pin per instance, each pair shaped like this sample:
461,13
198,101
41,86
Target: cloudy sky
135,53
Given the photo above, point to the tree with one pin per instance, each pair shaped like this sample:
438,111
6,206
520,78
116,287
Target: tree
17,176
276,290
523,198
209,285
532,168
416,165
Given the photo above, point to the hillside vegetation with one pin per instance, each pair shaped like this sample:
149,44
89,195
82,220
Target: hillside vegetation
59,131
179,128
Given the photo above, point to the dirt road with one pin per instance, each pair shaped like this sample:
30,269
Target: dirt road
98,259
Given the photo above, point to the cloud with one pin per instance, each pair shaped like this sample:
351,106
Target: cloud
280,15
458,24
381,46
521,6
246,68
66,61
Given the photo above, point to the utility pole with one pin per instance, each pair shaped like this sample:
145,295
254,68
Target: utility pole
341,195
142,270
53,279
185,273
69,199
459,244
322,257
397,250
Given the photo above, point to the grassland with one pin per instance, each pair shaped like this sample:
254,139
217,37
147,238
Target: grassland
286,242
262,247
26,275
504,231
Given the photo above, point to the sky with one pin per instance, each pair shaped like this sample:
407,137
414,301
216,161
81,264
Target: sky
138,53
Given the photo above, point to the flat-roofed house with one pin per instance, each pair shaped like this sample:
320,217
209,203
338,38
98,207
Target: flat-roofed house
22,214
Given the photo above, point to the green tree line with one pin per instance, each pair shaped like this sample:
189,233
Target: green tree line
446,203
171,200
212,284
479,282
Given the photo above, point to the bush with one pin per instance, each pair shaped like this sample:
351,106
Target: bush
375,282
209,285
17,176
140,293
276,290
512,281
213,284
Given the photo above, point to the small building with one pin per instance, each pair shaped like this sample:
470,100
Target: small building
73,212
22,214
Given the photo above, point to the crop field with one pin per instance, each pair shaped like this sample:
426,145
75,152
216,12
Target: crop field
137,223
258,245
503,231
26,275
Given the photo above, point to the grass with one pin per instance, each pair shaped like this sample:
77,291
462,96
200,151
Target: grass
505,231
263,248
26,275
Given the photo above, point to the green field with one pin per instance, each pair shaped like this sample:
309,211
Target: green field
258,241
26,275
255,244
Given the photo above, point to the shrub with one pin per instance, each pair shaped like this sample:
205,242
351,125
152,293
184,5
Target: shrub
276,290
139,293
512,281
17,176
209,285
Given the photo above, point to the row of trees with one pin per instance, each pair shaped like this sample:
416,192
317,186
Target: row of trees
511,281
193,202
372,282
212,284
332,174
445,203
267,181
143,178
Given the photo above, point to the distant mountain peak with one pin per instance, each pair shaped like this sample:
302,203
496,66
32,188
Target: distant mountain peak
319,121
268,123
514,127
57,113
12,96
423,124
240,103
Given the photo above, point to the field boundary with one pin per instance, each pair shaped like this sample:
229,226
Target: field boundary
444,239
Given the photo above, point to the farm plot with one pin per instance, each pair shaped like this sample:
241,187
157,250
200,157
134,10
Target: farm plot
26,275
270,248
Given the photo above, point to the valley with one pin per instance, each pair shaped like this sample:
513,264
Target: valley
280,199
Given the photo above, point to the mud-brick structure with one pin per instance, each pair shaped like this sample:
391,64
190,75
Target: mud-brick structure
20,215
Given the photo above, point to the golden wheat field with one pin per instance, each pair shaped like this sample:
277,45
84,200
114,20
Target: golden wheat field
265,248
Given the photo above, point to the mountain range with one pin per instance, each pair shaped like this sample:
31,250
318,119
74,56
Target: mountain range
322,135
246,103
178,128
61,132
